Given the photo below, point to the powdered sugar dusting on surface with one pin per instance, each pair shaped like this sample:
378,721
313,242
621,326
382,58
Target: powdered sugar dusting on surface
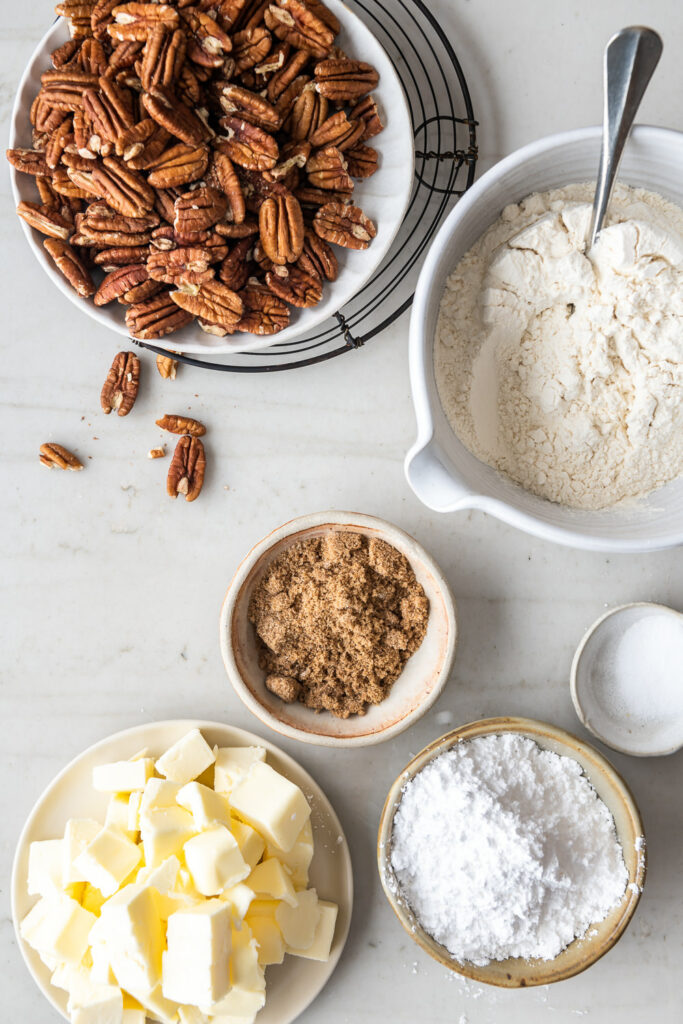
504,849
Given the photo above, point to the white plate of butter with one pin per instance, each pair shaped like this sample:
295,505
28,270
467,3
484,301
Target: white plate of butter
167,853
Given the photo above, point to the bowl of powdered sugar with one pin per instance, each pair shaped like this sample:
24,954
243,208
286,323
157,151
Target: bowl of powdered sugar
512,852
548,378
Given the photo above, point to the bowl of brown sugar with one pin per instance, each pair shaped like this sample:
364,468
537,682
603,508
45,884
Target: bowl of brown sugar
338,629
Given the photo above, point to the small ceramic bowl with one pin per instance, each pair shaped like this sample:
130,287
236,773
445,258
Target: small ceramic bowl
629,734
610,787
423,677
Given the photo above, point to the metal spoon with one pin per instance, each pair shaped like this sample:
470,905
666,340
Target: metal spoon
631,57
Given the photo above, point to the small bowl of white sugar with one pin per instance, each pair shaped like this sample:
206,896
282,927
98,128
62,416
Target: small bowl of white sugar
512,852
626,680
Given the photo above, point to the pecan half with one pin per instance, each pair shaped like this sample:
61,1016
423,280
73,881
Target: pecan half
179,165
182,266
198,210
249,48
344,225
155,317
213,302
344,80
326,169
318,258
245,104
366,111
225,177
175,116
243,230
311,197
295,23
162,57
137,21
120,256
118,282
167,368
307,115
284,76
140,292
264,313
143,144
45,219
56,456
281,228
234,270
120,389
295,286
70,265
248,145
126,191
337,131
186,472
28,161
181,425
361,161
110,110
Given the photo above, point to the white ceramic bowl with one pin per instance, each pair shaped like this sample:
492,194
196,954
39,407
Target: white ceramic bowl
290,986
424,675
384,197
441,471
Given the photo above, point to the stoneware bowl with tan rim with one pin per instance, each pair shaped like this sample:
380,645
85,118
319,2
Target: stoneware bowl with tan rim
421,681
610,787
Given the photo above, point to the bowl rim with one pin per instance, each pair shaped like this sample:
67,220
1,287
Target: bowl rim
421,360
228,608
252,343
533,728
575,686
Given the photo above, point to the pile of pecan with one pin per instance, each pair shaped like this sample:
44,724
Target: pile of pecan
201,156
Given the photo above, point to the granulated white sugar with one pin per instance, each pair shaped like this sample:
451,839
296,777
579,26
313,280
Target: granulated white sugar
504,849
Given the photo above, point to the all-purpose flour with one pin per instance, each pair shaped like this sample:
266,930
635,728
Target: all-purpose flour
505,849
562,371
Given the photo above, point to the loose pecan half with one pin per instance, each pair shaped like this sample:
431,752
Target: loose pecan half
181,425
56,456
186,472
175,116
28,161
198,210
160,452
281,228
249,47
245,104
234,270
326,169
155,317
264,313
361,161
295,286
167,368
344,225
182,266
344,80
318,258
120,389
45,219
337,131
213,302
225,177
137,21
70,265
307,115
119,281
284,76
162,57
295,22
248,145
179,165
120,256
366,111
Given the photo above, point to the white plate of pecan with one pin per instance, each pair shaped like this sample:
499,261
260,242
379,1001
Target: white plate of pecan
212,177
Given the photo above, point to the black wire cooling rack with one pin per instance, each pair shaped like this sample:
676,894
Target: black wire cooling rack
445,155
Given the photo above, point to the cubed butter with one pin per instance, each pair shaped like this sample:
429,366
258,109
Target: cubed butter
164,833
191,1015
134,801
233,763
58,927
122,776
266,932
206,807
186,759
196,964
271,804
131,926
117,813
163,878
214,860
133,1017
91,1003
101,972
299,923
298,859
157,1006
249,841
239,897
78,833
45,867
156,794
269,879
239,1005
324,934
108,860
245,971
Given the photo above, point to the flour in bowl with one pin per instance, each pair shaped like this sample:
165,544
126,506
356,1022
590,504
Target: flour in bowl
504,849
564,371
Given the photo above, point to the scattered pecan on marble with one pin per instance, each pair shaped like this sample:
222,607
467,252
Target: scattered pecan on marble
181,425
55,456
120,389
186,472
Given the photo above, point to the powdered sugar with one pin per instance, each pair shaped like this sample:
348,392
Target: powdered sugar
565,370
504,849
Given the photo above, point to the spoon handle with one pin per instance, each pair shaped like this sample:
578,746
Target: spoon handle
631,57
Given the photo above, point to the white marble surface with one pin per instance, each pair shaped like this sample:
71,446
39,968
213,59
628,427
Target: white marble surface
110,591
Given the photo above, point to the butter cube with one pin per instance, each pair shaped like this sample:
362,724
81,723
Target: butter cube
45,871
95,1004
272,805
164,832
249,841
196,965
133,1017
101,972
117,814
233,763
266,932
186,759
163,878
239,897
122,776
131,926
207,808
191,1015
58,927
91,899
298,859
299,923
239,1005
269,878
214,861
157,793
108,860
324,934
245,971
157,1006
134,802
78,834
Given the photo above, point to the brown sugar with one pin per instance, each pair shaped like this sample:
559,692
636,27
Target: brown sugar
337,617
